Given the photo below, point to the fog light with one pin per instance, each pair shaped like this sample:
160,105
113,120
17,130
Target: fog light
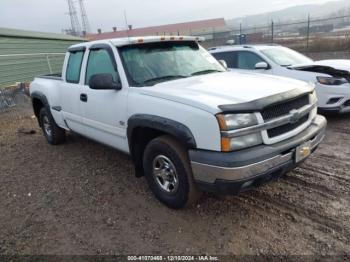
333,100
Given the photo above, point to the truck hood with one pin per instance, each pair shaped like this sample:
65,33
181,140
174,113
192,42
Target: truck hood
208,92
336,68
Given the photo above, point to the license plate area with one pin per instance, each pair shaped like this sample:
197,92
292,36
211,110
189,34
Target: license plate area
302,152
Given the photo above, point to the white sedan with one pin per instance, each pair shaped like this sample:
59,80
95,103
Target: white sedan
331,77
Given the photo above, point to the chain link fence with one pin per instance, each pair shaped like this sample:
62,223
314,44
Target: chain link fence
309,35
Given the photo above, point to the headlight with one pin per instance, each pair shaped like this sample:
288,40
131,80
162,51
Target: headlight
237,121
331,81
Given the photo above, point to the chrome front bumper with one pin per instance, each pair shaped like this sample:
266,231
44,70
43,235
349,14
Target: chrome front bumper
207,172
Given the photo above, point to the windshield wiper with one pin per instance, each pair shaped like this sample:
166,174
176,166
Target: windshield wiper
203,72
163,78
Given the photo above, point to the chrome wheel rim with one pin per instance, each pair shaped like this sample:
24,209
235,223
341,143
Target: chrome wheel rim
47,126
165,174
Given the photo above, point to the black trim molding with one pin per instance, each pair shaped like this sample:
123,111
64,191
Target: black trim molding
41,97
169,126
260,104
57,108
76,49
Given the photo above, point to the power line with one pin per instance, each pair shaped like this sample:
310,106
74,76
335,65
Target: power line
76,29
84,18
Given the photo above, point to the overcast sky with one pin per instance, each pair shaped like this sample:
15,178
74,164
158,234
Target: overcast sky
51,15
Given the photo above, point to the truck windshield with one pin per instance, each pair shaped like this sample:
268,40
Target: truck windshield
152,63
285,56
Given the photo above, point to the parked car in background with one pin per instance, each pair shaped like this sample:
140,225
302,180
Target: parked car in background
188,124
332,77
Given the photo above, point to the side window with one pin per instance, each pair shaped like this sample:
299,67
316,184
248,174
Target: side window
229,57
248,60
74,67
100,63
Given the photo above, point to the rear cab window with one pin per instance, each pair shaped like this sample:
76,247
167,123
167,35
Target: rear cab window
73,70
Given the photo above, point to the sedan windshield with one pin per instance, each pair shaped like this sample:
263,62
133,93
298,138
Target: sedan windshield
152,63
285,56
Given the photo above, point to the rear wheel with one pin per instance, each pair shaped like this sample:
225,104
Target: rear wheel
168,172
52,132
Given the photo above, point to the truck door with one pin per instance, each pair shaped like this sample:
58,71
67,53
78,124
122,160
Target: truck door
70,90
104,110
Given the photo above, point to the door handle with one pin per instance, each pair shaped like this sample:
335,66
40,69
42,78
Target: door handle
83,97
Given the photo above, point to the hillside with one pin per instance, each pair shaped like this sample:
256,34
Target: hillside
295,13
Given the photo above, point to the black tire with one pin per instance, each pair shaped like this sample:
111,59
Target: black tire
185,192
56,135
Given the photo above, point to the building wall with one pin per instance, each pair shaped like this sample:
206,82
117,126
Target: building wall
21,59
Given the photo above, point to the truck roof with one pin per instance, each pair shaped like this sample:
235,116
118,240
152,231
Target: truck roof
140,40
218,49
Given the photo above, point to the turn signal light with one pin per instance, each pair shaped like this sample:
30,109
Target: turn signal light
225,144
222,122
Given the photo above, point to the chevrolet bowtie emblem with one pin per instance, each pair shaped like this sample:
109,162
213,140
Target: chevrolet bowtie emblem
294,116
305,151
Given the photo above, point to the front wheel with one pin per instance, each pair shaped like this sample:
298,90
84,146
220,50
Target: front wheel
168,172
52,132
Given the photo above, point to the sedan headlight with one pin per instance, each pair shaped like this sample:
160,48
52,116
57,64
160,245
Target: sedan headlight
313,98
238,121
331,81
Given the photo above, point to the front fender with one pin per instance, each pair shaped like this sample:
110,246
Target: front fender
171,127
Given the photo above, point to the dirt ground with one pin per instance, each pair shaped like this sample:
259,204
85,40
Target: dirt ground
83,198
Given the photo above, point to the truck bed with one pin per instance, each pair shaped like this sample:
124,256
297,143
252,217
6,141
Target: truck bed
57,77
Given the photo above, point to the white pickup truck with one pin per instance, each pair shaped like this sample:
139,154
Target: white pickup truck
188,125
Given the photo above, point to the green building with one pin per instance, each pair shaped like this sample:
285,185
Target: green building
26,54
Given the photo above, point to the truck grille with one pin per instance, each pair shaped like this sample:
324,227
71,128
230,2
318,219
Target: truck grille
277,131
284,108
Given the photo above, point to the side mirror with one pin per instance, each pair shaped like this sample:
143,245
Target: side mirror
262,65
223,63
104,82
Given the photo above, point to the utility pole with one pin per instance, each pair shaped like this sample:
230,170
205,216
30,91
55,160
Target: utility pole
308,32
84,18
272,31
76,29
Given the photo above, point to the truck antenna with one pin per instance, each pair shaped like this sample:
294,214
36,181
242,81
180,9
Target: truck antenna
127,25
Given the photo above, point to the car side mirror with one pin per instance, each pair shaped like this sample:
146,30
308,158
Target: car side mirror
262,65
104,82
223,63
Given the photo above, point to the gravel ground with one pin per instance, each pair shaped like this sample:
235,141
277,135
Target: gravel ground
83,198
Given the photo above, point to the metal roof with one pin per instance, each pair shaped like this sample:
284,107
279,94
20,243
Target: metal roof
162,29
9,32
